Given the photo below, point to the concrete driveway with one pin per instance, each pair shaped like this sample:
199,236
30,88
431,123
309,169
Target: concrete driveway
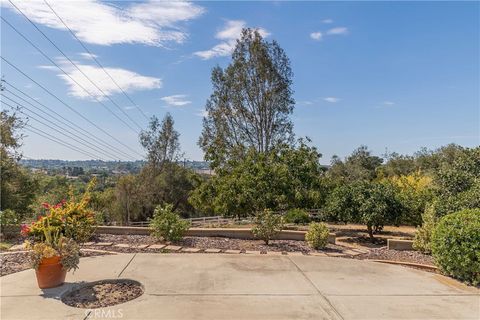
220,286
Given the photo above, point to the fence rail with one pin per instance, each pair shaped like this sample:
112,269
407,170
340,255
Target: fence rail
201,221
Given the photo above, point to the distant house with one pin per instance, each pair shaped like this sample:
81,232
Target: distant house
207,172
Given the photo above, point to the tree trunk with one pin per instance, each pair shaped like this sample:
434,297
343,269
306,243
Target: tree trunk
370,233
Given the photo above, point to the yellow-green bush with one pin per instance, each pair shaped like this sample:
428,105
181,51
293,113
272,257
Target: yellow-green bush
317,235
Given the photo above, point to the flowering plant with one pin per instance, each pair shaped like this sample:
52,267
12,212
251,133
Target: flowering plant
69,218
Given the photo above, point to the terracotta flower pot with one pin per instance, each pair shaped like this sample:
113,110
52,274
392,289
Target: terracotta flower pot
50,273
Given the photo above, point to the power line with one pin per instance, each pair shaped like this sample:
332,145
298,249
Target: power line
65,132
65,104
55,139
68,75
51,41
59,141
71,124
95,59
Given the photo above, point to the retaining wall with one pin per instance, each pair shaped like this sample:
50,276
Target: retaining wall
401,245
234,233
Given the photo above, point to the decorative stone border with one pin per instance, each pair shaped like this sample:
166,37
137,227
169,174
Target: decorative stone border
234,233
347,252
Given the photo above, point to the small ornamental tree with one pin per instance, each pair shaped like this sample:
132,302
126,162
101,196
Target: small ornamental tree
267,225
167,224
370,203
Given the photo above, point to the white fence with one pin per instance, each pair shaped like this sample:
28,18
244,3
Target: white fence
217,220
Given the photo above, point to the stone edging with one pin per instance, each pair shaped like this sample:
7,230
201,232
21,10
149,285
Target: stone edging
409,264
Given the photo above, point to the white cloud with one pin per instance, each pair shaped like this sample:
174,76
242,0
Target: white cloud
338,30
229,35
129,81
316,35
331,99
388,103
151,23
88,56
327,21
177,100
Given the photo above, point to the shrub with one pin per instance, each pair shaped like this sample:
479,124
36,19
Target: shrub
8,217
456,245
297,216
9,223
423,235
267,225
317,235
71,218
167,224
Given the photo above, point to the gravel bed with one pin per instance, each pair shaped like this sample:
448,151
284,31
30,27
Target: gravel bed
251,245
16,262
103,294
395,255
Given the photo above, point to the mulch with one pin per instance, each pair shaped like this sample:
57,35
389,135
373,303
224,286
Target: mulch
395,255
103,294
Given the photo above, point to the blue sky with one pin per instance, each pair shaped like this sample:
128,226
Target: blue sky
399,75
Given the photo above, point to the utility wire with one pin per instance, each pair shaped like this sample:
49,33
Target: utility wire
97,62
51,41
55,139
63,131
59,118
65,104
65,144
68,75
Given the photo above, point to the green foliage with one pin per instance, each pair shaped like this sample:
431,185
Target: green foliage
456,245
414,191
359,166
370,203
72,218
251,102
287,177
17,186
423,235
341,205
267,225
8,218
167,224
297,216
161,142
317,235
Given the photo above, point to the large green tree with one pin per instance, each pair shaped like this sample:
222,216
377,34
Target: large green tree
360,165
17,186
251,101
283,178
161,142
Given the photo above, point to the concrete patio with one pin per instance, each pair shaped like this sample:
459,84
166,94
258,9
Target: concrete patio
221,286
